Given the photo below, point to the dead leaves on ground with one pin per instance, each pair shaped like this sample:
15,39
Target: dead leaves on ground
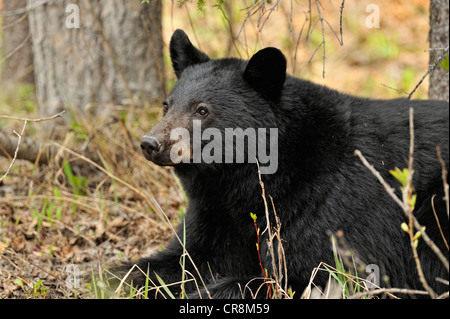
38,251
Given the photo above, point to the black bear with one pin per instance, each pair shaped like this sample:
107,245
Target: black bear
318,186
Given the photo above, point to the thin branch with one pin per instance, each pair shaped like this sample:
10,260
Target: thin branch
398,90
228,18
323,37
266,209
431,244
281,253
388,290
249,14
340,22
445,295
4,27
323,43
444,179
430,69
387,187
277,272
29,7
438,222
16,151
290,17
19,135
10,54
407,192
268,15
407,196
32,120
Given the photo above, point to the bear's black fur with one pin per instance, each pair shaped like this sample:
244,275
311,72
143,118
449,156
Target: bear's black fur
319,188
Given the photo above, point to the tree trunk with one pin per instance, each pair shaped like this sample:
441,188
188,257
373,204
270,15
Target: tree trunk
439,84
30,149
18,63
114,55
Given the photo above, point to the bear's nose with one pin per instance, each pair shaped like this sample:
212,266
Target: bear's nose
149,145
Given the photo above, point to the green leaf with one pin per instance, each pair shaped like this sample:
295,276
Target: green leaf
331,272
38,285
70,177
164,286
57,194
147,279
444,64
413,201
405,227
19,283
419,233
201,6
59,213
123,113
401,176
253,216
146,1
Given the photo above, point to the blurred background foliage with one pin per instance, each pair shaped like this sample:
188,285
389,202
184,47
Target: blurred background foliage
395,54
370,59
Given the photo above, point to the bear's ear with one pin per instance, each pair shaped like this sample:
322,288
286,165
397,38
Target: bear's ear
183,53
266,72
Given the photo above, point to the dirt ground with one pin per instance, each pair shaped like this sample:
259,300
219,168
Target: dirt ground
56,226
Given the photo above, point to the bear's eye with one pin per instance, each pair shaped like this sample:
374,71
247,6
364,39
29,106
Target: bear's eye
203,111
165,107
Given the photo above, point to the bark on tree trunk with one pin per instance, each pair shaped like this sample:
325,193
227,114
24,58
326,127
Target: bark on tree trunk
439,83
18,66
30,149
114,56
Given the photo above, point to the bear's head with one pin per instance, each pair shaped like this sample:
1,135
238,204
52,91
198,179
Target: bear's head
214,97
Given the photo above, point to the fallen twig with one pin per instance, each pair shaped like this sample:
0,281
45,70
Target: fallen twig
388,290
19,135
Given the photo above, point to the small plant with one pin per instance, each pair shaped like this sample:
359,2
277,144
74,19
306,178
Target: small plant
409,198
348,279
45,212
36,290
403,177
263,270
78,184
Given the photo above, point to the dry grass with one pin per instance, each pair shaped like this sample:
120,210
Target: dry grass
83,212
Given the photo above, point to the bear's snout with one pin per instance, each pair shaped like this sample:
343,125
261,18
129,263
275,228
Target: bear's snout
150,146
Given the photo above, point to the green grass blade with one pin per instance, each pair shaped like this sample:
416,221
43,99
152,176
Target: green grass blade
164,286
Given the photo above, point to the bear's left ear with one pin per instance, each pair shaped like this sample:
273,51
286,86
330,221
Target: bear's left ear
266,72
183,53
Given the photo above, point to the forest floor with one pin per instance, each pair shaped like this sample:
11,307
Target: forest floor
73,216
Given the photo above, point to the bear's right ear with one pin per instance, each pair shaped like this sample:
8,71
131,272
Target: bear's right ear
266,72
183,53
